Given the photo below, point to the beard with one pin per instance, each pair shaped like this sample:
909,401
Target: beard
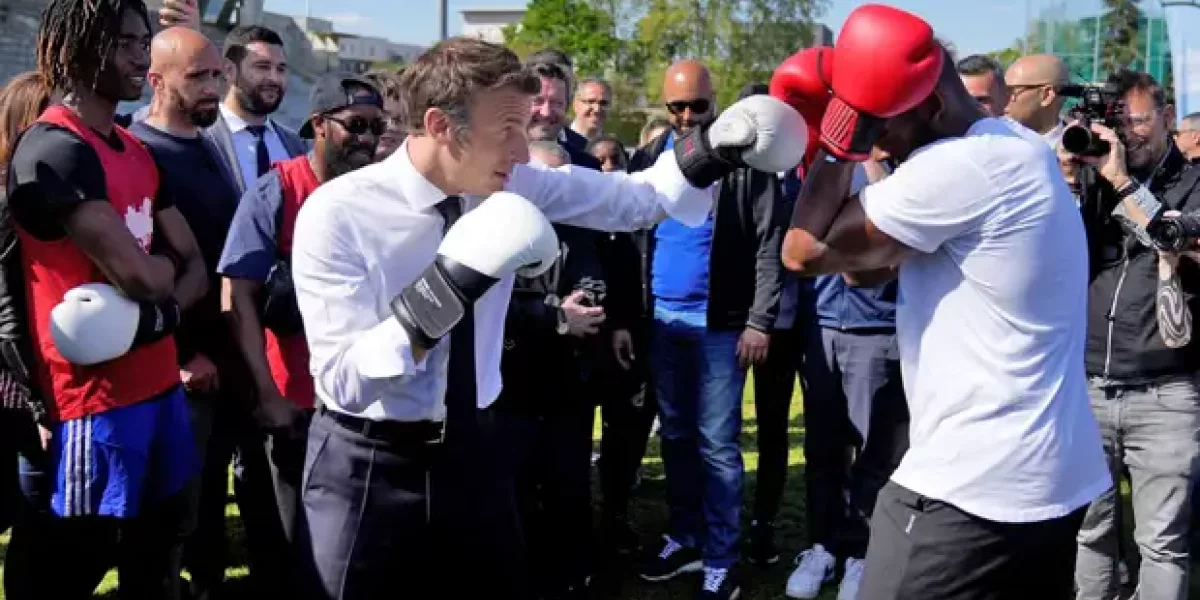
199,116
344,159
1141,155
544,131
252,97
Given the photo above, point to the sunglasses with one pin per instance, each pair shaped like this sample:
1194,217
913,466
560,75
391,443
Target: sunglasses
360,125
698,106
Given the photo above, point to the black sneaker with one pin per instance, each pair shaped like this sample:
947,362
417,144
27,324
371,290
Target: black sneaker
762,551
719,584
673,559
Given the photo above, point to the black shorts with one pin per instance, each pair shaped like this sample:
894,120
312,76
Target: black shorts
923,549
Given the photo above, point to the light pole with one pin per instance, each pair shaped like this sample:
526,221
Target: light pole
444,29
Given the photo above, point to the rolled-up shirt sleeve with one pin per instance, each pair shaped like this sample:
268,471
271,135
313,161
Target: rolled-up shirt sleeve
613,201
356,352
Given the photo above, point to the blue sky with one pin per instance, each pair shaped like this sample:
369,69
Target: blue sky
972,25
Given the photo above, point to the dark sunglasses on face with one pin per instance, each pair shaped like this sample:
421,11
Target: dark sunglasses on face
360,125
698,106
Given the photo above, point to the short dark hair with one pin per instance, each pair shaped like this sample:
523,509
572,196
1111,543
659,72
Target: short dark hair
552,56
551,71
1125,81
240,37
980,64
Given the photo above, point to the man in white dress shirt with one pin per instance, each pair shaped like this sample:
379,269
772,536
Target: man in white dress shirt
401,453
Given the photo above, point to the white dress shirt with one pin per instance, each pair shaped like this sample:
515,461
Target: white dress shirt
245,144
361,238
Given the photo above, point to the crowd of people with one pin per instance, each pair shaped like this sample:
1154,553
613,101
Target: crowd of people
985,329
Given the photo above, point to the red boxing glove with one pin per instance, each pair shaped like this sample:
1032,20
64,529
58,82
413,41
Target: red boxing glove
886,62
802,81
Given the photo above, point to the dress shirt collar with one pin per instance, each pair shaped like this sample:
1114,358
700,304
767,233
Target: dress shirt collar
419,191
235,122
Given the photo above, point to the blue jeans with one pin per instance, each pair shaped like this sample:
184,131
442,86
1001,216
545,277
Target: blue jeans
699,386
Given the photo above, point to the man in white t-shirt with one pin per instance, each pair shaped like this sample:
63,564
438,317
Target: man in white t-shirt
1005,454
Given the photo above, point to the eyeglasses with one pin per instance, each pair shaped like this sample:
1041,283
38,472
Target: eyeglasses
698,106
360,125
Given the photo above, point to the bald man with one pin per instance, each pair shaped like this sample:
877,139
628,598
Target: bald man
702,343
186,75
1034,101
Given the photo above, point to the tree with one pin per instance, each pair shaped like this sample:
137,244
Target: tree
1120,48
741,41
583,30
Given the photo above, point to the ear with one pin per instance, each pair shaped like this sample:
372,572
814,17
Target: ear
230,70
318,126
156,81
437,125
1168,112
1049,95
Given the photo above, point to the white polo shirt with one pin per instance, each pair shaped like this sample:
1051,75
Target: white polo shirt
361,238
991,324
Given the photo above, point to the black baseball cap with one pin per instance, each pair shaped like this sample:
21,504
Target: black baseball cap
335,91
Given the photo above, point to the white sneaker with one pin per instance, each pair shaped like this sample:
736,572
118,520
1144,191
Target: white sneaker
854,572
814,567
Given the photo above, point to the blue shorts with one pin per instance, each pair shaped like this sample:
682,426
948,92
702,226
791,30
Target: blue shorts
108,464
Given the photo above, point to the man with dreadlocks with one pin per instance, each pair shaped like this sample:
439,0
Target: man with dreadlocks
109,264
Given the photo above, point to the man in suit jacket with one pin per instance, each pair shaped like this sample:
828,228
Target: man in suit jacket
249,139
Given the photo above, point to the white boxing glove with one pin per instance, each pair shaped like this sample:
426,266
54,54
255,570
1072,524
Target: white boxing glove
760,131
96,323
506,234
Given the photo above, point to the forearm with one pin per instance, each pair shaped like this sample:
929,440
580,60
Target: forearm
1174,316
251,341
192,286
826,190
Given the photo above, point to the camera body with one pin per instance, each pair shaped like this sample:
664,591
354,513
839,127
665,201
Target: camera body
1099,104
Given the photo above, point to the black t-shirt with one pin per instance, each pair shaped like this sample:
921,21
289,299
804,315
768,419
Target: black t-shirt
52,172
203,191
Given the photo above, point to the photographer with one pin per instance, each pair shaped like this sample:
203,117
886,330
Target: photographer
1140,359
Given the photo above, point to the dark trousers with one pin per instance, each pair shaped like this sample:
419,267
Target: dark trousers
923,549
66,558
774,383
382,508
552,467
628,408
856,432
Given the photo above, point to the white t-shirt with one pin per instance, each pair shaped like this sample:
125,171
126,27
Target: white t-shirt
991,323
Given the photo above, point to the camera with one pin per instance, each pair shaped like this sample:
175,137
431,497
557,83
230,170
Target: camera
1172,234
1099,104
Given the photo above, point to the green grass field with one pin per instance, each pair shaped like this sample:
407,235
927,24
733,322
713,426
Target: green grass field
649,516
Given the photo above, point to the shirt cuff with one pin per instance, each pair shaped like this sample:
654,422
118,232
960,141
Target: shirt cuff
681,201
384,352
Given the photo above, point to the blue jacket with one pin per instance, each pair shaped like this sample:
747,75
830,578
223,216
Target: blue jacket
838,305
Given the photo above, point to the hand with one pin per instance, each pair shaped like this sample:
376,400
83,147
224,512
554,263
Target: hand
752,347
179,13
274,412
1112,165
622,345
1068,163
581,320
199,375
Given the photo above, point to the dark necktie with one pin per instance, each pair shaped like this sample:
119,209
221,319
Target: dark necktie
260,148
461,395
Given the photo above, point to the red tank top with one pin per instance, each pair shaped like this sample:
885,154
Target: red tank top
288,356
54,267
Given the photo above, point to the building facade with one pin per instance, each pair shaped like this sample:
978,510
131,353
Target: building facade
488,23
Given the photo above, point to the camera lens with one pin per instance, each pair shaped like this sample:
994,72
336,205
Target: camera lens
1076,139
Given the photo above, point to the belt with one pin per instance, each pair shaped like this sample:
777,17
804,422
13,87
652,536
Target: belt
403,433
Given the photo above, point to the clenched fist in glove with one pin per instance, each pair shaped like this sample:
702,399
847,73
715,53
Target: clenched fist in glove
96,323
505,234
802,81
760,132
885,62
